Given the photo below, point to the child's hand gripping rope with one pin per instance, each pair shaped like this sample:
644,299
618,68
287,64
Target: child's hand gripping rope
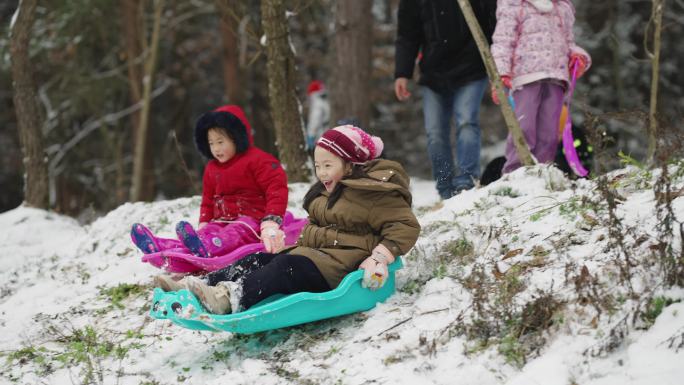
577,65
272,236
506,80
374,271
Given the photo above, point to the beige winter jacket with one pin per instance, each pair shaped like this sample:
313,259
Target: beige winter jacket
370,211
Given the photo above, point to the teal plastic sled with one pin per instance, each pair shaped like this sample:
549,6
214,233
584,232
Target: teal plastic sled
183,309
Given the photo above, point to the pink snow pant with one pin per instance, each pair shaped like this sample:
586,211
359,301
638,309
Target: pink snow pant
537,106
220,238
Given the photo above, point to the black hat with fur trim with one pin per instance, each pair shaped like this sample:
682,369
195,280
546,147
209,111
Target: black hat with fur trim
231,119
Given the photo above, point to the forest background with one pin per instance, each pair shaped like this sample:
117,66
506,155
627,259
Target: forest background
89,59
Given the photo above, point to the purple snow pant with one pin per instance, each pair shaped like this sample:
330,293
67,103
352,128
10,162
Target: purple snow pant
220,238
537,107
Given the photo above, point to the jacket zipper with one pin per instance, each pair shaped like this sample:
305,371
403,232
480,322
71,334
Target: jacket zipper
435,21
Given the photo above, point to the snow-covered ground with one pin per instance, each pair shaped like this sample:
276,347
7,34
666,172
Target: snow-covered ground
518,282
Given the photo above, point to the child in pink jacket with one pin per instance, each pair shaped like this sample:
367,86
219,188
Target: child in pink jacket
534,49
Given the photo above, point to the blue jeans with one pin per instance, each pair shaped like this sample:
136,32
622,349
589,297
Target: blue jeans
439,108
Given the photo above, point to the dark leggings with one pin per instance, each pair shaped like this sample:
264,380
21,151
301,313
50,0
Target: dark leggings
263,275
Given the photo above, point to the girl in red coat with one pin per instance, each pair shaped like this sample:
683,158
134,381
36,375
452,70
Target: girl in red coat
244,192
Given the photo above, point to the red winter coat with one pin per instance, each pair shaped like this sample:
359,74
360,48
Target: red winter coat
252,183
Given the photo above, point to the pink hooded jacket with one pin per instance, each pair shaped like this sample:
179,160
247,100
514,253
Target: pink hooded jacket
533,40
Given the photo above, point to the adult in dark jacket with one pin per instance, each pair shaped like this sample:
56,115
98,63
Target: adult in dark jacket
453,81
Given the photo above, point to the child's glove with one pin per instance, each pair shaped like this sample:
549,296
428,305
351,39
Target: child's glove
374,271
506,80
272,236
580,61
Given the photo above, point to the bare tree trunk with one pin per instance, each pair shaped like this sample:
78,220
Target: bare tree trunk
616,56
29,114
513,127
350,94
242,67
131,17
285,108
657,16
142,133
131,20
135,41
231,69
253,63
120,180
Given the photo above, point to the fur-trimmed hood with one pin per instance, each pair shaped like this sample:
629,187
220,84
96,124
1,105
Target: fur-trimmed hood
233,120
383,175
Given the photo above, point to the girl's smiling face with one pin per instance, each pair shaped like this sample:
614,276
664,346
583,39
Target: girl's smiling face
221,145
330,168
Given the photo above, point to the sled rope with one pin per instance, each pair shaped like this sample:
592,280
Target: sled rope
567,138
241,223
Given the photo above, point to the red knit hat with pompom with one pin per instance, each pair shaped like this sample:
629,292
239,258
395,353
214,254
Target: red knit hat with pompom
351,143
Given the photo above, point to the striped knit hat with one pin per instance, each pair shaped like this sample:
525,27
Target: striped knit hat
352,144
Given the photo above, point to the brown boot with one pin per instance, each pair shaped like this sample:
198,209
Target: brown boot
169,283
215,298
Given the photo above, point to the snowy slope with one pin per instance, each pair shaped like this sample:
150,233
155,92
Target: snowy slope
74,299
